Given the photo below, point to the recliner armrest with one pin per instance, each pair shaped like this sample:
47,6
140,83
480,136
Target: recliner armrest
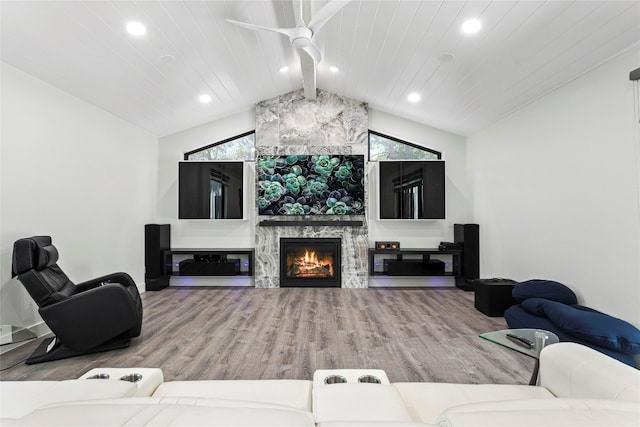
573,370
120,277
84,319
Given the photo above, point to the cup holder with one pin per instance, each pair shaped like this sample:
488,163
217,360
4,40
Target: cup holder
335,379
132,378
98,377
369,379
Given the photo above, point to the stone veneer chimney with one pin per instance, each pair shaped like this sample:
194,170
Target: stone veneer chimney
330,124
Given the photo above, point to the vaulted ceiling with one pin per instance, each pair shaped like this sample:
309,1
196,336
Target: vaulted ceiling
384,50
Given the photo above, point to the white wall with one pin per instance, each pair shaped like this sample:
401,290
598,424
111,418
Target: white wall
77,173
422,234
202,233
223,234
555,190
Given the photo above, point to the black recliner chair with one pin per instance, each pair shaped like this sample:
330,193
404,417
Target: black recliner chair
94,316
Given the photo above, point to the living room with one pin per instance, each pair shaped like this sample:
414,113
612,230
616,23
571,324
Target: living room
554,185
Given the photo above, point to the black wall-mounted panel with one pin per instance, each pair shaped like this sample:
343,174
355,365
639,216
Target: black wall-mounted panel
210,190
412,189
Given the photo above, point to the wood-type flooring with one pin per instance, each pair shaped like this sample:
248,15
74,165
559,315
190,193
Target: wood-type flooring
416,334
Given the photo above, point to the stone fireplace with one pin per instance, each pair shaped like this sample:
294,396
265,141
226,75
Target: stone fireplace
330,124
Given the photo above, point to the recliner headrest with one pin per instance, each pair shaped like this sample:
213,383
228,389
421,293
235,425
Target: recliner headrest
47,256
35,252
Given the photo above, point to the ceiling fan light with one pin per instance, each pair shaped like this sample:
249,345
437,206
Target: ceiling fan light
301,42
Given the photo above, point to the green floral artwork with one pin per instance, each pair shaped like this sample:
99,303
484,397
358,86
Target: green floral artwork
309,185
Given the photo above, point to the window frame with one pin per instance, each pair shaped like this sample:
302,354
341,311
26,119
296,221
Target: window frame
215,144
398,140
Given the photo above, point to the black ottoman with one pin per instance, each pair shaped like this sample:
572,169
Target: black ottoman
493,296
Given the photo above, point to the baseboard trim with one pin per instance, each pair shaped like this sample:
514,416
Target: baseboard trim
411,282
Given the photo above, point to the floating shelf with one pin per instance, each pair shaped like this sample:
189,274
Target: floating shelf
311,223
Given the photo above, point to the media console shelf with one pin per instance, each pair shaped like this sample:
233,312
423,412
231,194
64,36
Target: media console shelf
208,262
416,262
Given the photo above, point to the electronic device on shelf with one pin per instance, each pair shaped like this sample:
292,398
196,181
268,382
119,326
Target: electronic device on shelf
448,246
388,245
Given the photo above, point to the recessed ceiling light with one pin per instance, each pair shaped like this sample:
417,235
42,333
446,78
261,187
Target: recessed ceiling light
167,59
136,28
205,99
446,57
414,97
334,69
284,69
471,26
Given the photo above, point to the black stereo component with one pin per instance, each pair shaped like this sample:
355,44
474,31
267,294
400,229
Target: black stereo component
227,267
414,267
469,236
449,246
387,245
157,239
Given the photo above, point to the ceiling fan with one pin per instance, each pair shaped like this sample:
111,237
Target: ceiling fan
301,37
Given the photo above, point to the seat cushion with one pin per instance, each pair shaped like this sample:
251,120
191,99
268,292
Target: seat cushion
291,393
147,411
543,412
18,398
426,401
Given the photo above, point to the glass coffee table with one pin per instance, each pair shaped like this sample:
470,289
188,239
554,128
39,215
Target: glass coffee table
526,341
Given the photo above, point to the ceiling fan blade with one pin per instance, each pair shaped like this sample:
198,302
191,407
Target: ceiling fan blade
313,51
289,32
323,15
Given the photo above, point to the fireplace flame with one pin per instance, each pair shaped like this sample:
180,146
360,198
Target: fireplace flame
311,259
309,264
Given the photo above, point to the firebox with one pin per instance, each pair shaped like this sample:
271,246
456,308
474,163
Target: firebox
310,262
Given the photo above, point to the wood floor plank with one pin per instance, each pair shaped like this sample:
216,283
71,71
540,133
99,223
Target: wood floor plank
245,333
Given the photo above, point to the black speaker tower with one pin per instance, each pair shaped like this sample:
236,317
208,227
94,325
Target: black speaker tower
469,236
157,238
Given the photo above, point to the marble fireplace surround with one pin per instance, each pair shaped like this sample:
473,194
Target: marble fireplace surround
352,229
354,250
331,124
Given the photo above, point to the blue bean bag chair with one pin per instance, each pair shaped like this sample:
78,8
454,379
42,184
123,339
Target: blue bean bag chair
552,306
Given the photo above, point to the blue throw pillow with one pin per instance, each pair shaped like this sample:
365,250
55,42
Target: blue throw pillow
589,325
547,289
534,306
